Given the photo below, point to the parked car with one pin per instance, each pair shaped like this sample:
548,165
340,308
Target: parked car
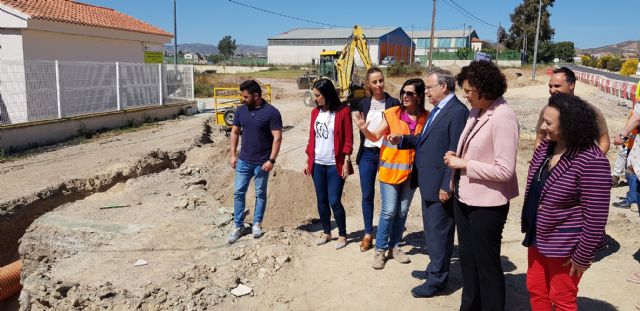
389,60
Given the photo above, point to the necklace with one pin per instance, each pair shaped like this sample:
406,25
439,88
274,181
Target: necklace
543,167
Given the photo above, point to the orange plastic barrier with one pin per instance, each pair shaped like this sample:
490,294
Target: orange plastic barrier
10,280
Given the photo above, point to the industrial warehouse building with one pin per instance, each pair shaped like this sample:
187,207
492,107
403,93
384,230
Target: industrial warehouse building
444,41
301,46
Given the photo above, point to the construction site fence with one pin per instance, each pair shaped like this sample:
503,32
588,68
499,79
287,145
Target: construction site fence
45,90
618,88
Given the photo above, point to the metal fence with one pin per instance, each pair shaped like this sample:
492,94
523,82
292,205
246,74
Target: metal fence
43,90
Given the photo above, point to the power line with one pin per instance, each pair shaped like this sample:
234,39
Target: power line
284,15
463,11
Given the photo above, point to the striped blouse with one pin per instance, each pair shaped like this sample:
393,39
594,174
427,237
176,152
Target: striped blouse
574,203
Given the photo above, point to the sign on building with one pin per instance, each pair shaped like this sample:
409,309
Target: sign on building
153,57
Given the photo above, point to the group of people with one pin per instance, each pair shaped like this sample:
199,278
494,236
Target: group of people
464,163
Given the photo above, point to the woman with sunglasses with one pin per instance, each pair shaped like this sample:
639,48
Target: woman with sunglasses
329,151
395,169
368,157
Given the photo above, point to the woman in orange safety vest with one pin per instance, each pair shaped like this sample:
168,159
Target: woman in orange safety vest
395,169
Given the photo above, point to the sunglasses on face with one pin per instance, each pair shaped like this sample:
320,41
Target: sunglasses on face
408,93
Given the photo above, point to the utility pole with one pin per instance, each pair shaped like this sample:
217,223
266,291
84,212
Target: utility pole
464,35
175,35
433,26
411,48
498,45
524,48
535,46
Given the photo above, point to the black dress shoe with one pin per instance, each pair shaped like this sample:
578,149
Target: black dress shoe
424,291
419,274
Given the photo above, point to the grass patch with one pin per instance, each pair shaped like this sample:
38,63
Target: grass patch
278,73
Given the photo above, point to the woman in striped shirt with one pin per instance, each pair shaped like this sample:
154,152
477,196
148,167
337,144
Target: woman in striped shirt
566,204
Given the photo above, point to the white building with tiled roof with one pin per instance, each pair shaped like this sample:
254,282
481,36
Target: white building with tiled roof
73,31
301,45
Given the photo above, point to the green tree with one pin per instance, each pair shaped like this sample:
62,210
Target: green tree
502,35
523,22
587,60
227,46
565,50
546,51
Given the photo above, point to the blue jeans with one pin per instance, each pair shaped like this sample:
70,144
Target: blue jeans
632,194
329,187
368,168
396,200
244,172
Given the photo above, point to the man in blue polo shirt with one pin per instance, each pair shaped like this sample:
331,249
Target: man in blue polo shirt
261,127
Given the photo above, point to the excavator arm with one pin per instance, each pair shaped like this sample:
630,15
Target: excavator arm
345,63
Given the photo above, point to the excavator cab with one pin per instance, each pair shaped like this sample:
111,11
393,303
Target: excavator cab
327,66
339,67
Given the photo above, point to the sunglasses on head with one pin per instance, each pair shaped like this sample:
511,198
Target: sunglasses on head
408,93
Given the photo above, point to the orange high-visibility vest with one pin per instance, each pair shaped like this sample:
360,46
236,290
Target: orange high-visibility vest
395,164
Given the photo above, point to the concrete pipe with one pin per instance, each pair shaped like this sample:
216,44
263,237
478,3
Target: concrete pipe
10,280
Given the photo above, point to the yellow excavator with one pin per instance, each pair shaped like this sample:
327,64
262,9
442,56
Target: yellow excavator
338,66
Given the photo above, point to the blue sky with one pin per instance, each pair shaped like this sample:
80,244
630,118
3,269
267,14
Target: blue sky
588,23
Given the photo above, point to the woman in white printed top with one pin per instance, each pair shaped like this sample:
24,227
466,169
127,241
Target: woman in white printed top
329,151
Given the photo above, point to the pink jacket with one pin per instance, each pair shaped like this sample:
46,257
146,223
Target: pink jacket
491,148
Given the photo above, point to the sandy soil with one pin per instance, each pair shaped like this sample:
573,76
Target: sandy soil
179,208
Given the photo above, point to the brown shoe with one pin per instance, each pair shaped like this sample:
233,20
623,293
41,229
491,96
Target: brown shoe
399,255
366,243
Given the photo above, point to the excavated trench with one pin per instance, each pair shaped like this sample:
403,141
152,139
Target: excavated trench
52,239
18,214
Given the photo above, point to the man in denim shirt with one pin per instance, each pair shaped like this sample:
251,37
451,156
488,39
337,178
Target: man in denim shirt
261,126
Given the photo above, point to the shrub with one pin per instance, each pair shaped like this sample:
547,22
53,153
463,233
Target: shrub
614,64
586,60
400,69
629,67
464,53
202,86
603,61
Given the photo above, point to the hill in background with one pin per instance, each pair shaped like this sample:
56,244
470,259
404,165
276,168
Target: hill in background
617,49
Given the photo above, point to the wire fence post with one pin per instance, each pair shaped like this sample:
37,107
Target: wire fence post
160,84
118,105
193,86
58,101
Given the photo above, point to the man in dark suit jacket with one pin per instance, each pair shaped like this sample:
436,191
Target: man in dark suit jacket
441,134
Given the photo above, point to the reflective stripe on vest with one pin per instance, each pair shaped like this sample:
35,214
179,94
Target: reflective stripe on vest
396,164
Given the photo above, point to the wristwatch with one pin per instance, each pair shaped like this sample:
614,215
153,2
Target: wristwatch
273,161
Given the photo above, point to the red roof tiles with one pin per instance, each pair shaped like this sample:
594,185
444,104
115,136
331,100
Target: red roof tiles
73,12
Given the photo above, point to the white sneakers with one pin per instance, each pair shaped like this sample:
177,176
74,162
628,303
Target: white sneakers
256,229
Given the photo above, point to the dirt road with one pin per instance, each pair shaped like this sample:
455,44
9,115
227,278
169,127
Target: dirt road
176,183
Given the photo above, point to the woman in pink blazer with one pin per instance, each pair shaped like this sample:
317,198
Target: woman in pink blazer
484,181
